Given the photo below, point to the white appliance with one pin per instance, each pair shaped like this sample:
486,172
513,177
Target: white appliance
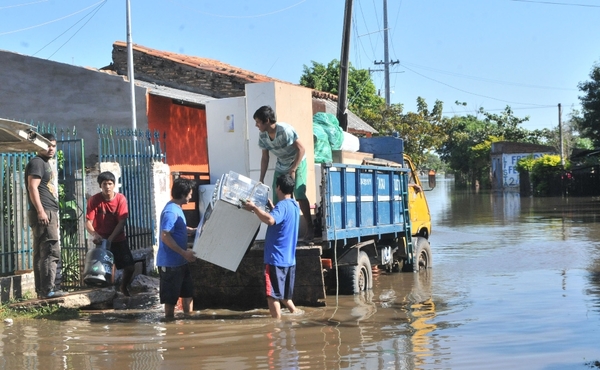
227,230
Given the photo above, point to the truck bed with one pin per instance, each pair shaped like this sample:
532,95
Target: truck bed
360,202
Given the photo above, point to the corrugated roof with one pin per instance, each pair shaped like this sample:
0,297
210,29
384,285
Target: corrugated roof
19,137
177,94
355,124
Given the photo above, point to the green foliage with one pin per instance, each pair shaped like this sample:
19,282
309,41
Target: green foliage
70,259
525,164
422,132
47,312
468,144
71,271
506,125
433,161
544,172
588,123
362,94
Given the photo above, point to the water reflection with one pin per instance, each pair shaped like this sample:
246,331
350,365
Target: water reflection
515,284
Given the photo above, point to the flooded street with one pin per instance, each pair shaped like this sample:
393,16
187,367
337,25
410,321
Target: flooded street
515,284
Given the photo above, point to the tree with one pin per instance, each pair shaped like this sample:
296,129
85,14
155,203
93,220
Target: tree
468,146
362,94
506,125
422,131
464,133
589,123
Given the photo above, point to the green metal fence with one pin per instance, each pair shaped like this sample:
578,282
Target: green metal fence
15,235
16,252
135,151
72,202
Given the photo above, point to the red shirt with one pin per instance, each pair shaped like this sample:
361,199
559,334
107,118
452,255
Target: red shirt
106,214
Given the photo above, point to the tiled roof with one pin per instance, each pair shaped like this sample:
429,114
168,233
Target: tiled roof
203,63
355,124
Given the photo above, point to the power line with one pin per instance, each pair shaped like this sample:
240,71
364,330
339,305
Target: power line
52,21
468,92
19,5
238,16
555,3
94,11
79,29
404,64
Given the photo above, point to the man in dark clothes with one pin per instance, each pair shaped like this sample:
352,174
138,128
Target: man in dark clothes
43,220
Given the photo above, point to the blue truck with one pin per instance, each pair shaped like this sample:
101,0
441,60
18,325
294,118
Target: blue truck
372,215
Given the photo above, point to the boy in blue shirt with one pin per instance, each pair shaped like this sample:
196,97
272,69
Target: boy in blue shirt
173,256
280,245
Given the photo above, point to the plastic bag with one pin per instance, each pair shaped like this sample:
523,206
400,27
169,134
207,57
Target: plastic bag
322,146
330,124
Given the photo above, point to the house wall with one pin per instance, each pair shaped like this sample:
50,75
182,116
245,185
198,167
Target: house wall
35,90
504,173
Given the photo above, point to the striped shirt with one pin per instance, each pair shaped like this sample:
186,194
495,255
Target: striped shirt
281,146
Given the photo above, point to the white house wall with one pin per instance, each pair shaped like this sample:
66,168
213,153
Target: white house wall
504,169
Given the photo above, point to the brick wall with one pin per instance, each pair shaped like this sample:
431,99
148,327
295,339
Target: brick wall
180,76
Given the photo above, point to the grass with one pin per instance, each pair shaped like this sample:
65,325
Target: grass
12,310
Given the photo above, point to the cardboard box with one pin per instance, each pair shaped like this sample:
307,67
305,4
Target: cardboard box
341,156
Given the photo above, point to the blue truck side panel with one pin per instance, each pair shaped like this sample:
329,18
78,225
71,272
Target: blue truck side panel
363,201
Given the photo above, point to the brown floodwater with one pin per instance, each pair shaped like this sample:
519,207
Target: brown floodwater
515,284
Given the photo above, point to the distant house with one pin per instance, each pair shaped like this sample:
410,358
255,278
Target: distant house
505,156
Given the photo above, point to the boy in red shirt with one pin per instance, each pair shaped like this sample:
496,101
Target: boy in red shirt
106,216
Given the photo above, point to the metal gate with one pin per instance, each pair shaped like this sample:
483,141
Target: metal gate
15,235
72,203
16,240
135,151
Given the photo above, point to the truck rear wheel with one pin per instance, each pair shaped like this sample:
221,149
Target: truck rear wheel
422,256
356,278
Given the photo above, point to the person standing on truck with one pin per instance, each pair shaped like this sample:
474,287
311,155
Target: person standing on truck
42,216
282,140
106,215
280,245
173,254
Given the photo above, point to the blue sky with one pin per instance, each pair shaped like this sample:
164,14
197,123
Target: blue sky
529,55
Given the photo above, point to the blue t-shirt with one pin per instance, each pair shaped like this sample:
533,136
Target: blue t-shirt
281,238
172,219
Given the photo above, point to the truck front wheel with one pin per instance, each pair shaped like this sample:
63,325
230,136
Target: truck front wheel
422,256
357,278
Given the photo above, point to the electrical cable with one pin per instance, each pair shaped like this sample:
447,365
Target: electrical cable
238,16
19,5
94,11
52,21
468,92
555,3
406,65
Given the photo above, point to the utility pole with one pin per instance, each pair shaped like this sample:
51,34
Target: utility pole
386,63
130,68
342,114
560,132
